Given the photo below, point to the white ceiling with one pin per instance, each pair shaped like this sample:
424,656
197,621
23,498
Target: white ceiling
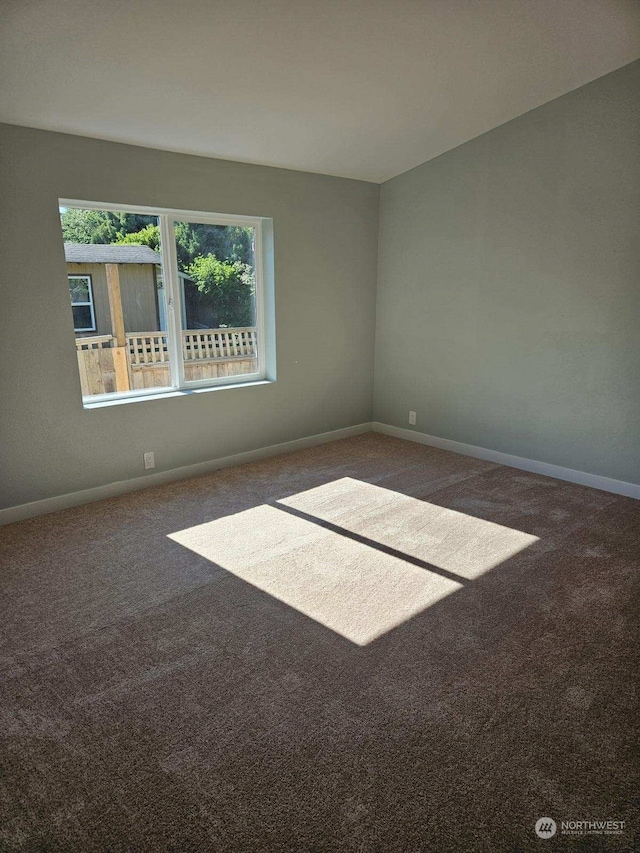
358,88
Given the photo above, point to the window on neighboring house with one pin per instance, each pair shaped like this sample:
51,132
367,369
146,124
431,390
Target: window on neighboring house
84,317
180,299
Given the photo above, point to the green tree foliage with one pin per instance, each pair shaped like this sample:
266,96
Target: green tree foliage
187,243
100,226
231,287
147,236
87,226
231,242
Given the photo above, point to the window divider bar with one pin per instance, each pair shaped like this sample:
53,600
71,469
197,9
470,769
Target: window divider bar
174,299
260,322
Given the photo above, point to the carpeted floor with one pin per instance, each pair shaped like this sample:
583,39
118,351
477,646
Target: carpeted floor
366,646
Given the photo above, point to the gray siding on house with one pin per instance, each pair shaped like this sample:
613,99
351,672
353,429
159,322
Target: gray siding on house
138,292
100,296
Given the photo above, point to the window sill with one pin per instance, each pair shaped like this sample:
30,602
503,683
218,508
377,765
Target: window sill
174,392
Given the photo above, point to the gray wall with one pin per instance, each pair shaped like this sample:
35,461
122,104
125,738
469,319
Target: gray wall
325,267
508,311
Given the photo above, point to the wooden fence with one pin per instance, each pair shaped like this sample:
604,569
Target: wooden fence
208,353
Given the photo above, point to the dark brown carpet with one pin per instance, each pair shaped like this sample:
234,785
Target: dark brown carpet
366,646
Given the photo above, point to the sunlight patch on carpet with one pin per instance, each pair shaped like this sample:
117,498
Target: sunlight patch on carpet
384,558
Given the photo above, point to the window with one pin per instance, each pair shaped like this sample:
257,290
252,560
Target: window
175,300
84,318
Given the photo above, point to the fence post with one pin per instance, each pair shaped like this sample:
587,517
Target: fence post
120,355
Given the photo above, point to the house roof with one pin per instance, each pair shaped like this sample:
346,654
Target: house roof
99,253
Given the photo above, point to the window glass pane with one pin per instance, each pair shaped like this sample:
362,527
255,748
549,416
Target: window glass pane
79,288
130,337
217,282
82,317
132,353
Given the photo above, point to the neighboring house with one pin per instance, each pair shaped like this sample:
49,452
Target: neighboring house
138,268
141,290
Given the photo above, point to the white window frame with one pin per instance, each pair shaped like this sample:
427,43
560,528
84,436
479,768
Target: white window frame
87,277
173,295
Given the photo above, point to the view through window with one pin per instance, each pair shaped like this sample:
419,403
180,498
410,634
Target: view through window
162,300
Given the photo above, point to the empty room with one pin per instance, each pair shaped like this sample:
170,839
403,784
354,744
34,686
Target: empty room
320,426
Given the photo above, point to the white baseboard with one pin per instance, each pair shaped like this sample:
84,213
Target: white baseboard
595,481
30,510
98,493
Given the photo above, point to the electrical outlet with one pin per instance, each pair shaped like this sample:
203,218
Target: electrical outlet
149,460
412,418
